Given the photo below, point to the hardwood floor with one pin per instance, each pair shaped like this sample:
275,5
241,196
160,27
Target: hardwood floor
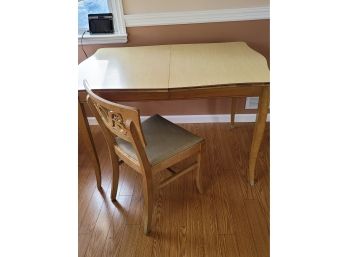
231,218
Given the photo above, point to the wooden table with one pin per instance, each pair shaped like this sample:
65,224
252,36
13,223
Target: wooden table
183,71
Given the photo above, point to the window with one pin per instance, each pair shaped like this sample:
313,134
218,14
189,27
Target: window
101,6
90,6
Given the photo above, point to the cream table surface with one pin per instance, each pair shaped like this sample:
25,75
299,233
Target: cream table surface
173,66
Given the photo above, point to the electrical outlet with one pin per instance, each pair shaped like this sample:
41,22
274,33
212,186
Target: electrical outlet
252,102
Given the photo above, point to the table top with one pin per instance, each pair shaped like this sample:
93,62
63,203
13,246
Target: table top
174,66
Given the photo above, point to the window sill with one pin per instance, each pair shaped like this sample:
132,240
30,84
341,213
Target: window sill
89,39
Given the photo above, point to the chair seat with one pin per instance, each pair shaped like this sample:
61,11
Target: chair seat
164,139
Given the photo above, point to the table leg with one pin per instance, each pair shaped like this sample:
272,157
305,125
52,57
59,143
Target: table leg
233,111
86,134
258,132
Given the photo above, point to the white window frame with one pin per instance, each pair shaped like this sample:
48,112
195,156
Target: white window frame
120,35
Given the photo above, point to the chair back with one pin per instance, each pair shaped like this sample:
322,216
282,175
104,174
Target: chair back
115,117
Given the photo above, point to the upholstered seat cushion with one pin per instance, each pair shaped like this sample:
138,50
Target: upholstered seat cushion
164,139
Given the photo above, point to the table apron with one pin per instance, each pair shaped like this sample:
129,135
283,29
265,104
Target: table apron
177,93
216,91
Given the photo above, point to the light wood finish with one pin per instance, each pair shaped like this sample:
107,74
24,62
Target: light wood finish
231,218
233,111
258,132
193,65
88,139
179,72
124,122
199,92
177,175
198,177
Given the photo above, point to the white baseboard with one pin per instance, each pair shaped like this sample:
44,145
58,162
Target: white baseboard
190,17
214,118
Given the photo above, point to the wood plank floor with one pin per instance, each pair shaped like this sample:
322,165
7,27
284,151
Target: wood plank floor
231,218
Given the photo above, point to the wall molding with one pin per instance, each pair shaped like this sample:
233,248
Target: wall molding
89,39
189,17
213,118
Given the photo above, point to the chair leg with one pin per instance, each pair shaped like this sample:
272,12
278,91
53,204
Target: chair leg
199,173
148,204
115,176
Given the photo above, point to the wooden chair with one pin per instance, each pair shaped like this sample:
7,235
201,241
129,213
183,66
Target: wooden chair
148,147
